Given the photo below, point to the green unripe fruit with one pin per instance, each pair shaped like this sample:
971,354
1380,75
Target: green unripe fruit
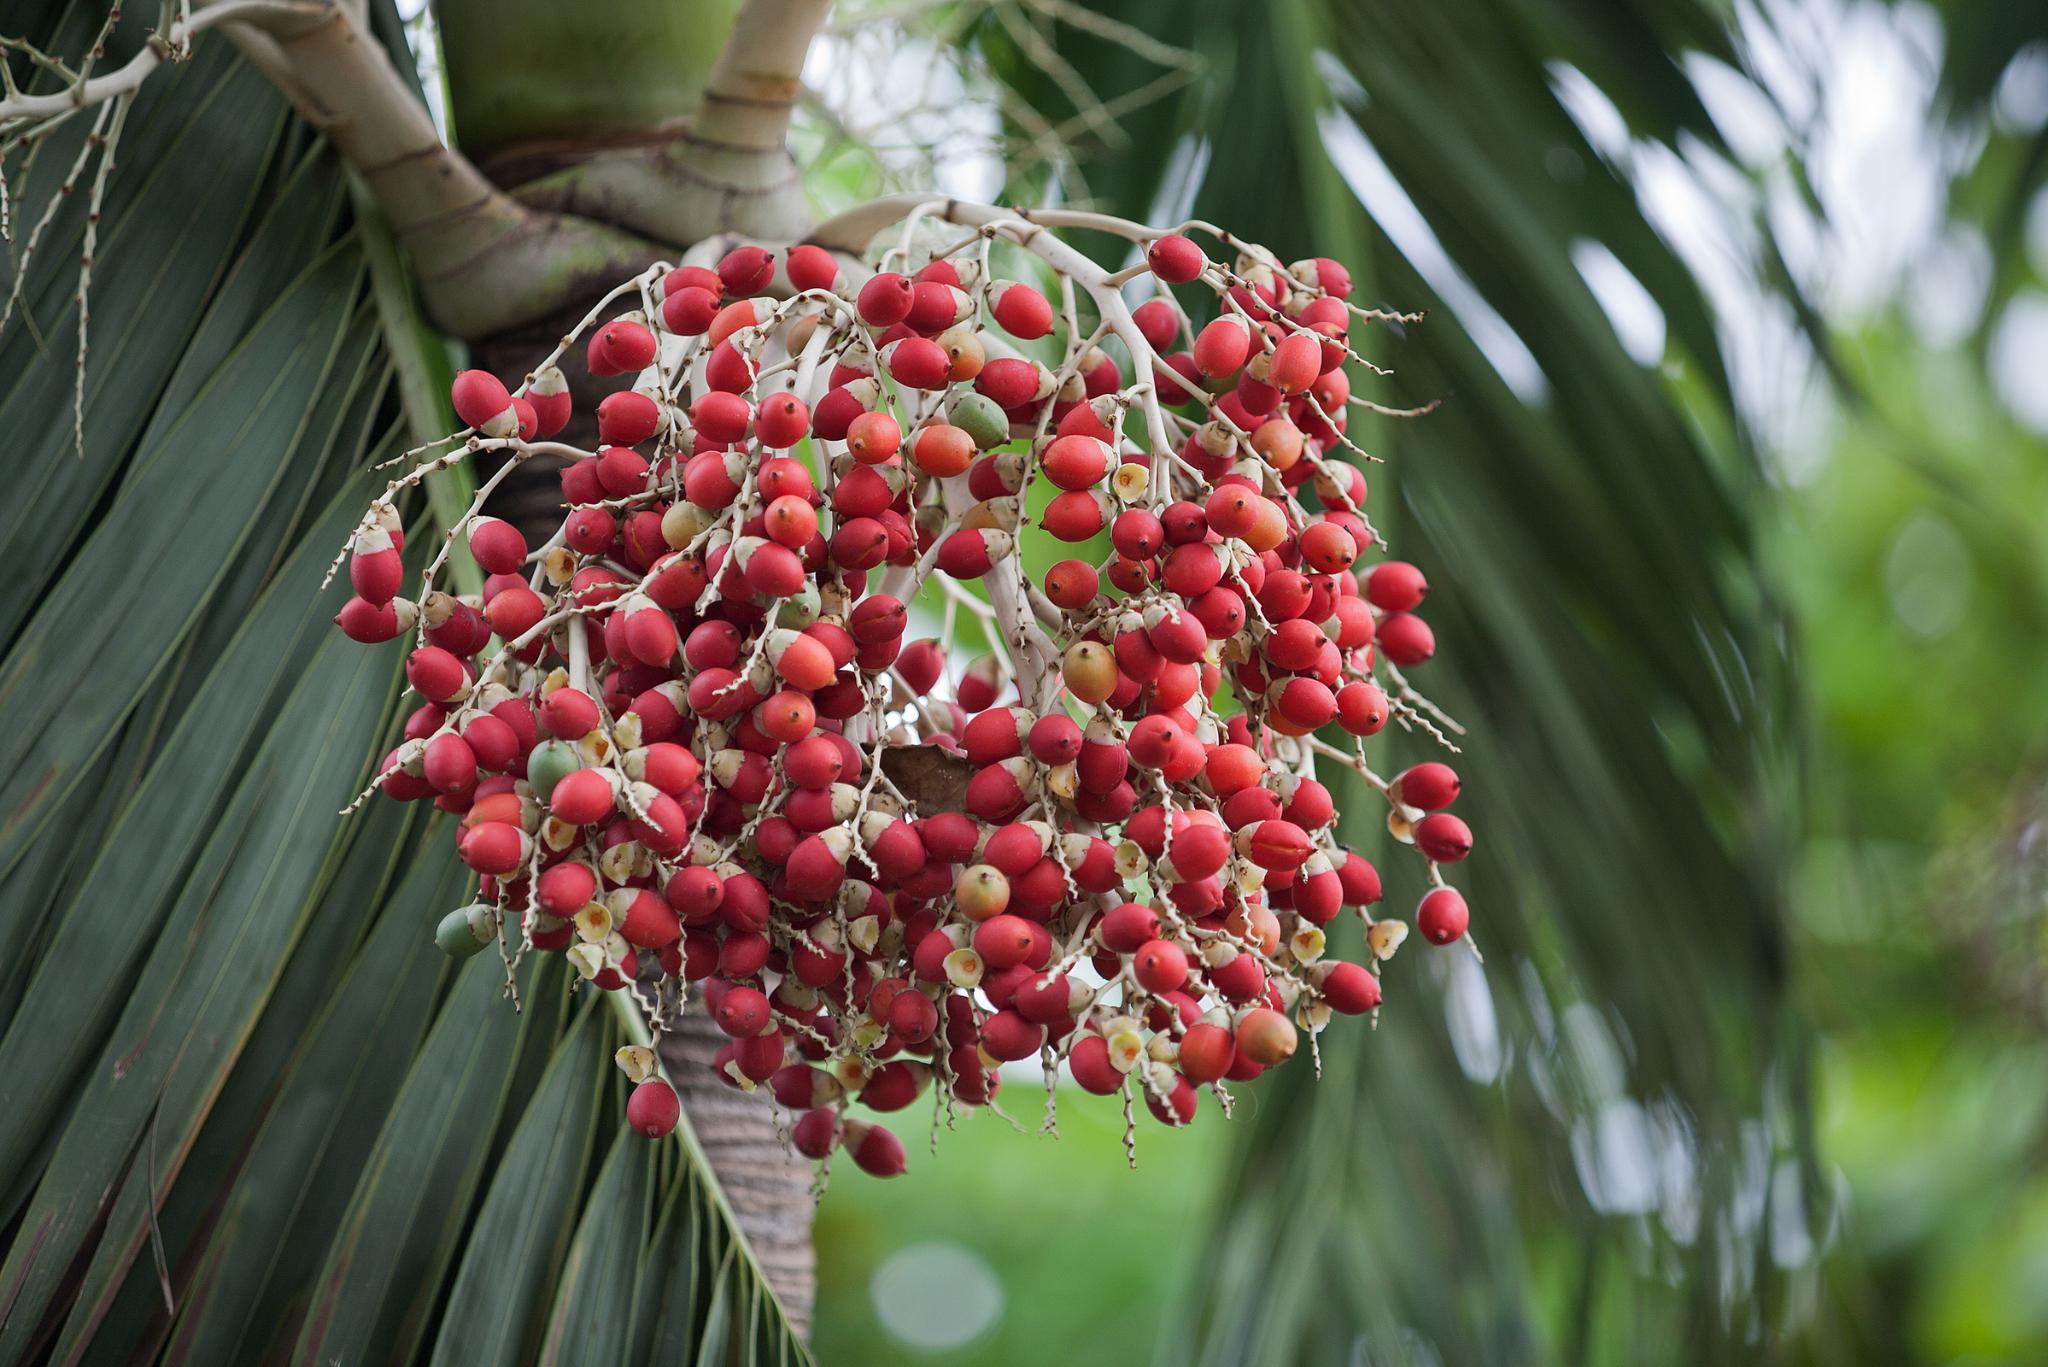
801,608
982,418
550,763
465,931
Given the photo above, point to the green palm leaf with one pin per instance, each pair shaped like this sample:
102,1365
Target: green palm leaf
247,1111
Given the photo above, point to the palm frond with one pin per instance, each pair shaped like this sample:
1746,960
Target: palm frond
247,1110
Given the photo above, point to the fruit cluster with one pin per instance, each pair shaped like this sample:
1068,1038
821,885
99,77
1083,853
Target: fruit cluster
689,742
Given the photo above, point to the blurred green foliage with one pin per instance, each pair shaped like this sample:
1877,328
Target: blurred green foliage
1874,799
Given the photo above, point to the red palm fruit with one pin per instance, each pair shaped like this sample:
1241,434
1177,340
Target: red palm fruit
782,421
1074,516
1232,768
817,866
1076,462
1442,916
860,543
498,546
688,312
1405,639
710,480
1295,363
770,570
950,836
997,792
937,305
811,267
1090,1065
1239,979
375,569
1443,838
1175,259
495,848
581,797
568,713
920,665
1250,808
366,622
1395,586
712,645
1303,703
786,717
1157,323
649,922
942,450
994,735
917,363
1354,619
563,889
654,1108
972,552
885,300
742,1012
589,531
1197,853
482,401
436,674
981,683
720,418
1004,941
873,438
1128,928
1072,584
895,1085
1160,966
620,346
1131,574
1429,785
671,768
1191,569
746,271
1276,845
695,893
1179,1107
627,418
816,1132
1137,534
1232,509
913,1016
1021,310
1309,805
1222,347
1008,1036
1361,709
1295,644
1327,547
743,953
1347,987
449,764
549,395
877,618
1205,1052
1055,739
1177,635
494,742
802,661
650,636
529,420
875,1150
1010,382
1265,1036
1220,611
791,521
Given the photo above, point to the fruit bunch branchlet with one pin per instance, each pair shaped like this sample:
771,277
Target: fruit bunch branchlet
692,742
